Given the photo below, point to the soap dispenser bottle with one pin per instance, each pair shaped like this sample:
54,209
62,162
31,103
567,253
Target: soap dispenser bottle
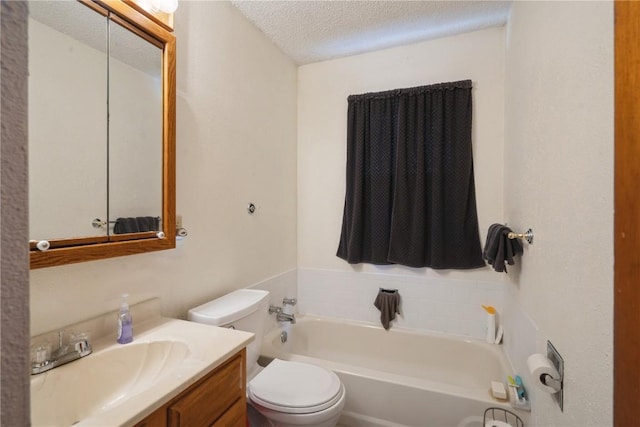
125,322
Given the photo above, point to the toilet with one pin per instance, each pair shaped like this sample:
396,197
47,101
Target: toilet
286,393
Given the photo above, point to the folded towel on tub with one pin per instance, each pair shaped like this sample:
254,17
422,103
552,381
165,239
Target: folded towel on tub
388,302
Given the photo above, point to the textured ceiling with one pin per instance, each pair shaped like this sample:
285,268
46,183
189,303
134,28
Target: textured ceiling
311,31
90,28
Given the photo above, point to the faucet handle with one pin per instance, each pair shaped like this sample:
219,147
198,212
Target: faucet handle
82,347
274,309
40,354
80,342
289,301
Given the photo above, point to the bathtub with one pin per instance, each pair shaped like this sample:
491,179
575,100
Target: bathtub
398,378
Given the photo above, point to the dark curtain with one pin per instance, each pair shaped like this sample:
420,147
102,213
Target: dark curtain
410,196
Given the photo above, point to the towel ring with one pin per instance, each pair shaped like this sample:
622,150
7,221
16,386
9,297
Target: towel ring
527,235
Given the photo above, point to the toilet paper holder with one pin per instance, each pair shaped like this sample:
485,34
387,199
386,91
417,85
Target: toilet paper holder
555,383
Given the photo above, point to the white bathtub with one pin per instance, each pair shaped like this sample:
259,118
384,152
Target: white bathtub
398,378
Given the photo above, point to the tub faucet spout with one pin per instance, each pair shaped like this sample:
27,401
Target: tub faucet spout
281,316
284,317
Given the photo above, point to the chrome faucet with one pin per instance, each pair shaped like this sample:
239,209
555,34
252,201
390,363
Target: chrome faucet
282,316
43,361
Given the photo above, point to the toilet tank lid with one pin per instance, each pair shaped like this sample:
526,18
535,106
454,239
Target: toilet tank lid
229,308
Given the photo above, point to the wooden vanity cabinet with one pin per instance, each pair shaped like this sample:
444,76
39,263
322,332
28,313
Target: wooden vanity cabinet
217,400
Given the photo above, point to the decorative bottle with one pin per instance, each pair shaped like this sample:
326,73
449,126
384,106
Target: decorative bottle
491,323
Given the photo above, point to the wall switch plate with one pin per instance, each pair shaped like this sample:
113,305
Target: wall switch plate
558,363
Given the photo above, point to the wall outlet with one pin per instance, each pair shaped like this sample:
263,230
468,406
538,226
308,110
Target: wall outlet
178,222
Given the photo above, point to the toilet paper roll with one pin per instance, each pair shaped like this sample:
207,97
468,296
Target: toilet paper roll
539,366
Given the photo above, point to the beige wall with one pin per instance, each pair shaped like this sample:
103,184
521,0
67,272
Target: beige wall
323,89
559,180
236,143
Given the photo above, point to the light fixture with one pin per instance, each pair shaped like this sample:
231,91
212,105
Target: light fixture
166,6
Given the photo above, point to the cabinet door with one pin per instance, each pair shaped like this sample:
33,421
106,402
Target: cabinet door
206,402
236,416
156,419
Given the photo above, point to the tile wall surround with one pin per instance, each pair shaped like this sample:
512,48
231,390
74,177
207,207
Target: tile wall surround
432,304
428,303
521,334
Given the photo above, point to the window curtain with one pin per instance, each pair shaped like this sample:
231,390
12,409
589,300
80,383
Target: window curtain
410,193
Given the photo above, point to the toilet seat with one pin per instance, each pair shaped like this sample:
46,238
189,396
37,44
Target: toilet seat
295,388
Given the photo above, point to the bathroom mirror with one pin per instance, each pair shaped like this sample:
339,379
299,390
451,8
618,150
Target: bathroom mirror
135,125
67,119
101,131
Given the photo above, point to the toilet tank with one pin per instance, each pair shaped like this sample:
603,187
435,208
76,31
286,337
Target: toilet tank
243,309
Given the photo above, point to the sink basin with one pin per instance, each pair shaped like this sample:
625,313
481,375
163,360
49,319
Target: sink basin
120,385
101,381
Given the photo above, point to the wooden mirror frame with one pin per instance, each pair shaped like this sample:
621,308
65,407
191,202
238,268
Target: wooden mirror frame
69,251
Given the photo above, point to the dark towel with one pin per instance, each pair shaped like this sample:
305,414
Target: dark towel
138,224
499,249
388,302
125,225
148,223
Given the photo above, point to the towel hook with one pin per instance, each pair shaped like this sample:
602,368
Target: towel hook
527,235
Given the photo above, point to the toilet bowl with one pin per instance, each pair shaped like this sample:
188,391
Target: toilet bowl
287,393
297,394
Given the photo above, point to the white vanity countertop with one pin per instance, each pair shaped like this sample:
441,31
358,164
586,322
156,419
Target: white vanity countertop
206,348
